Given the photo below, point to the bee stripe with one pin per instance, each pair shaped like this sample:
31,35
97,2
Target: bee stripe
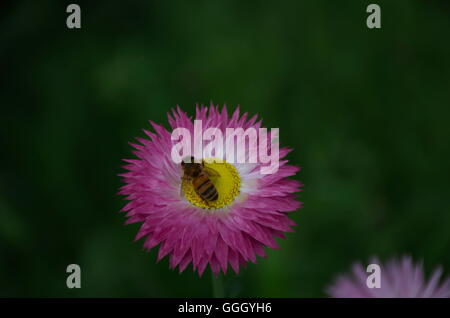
204,187
213,193
208,192
211,196
204,182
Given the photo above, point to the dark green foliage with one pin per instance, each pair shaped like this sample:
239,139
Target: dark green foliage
366,112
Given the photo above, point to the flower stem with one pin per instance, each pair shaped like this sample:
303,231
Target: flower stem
217,286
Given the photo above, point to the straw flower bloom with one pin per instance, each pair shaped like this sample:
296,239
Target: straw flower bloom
400,278
250,212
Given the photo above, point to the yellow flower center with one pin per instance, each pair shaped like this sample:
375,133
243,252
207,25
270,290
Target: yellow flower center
227,184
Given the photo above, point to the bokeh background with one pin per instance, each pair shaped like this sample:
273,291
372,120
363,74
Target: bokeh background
366,111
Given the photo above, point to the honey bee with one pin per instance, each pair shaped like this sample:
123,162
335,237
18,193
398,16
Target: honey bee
200,176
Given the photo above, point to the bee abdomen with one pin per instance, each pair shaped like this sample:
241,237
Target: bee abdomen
205,188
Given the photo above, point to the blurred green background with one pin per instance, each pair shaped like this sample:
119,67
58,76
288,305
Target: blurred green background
366,111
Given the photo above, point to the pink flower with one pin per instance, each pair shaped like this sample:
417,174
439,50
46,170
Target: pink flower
250,213
400,278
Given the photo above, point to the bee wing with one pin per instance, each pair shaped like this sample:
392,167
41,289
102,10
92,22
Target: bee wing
185,178
211,172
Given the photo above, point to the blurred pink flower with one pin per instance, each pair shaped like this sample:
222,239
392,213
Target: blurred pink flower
400,278
233,232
